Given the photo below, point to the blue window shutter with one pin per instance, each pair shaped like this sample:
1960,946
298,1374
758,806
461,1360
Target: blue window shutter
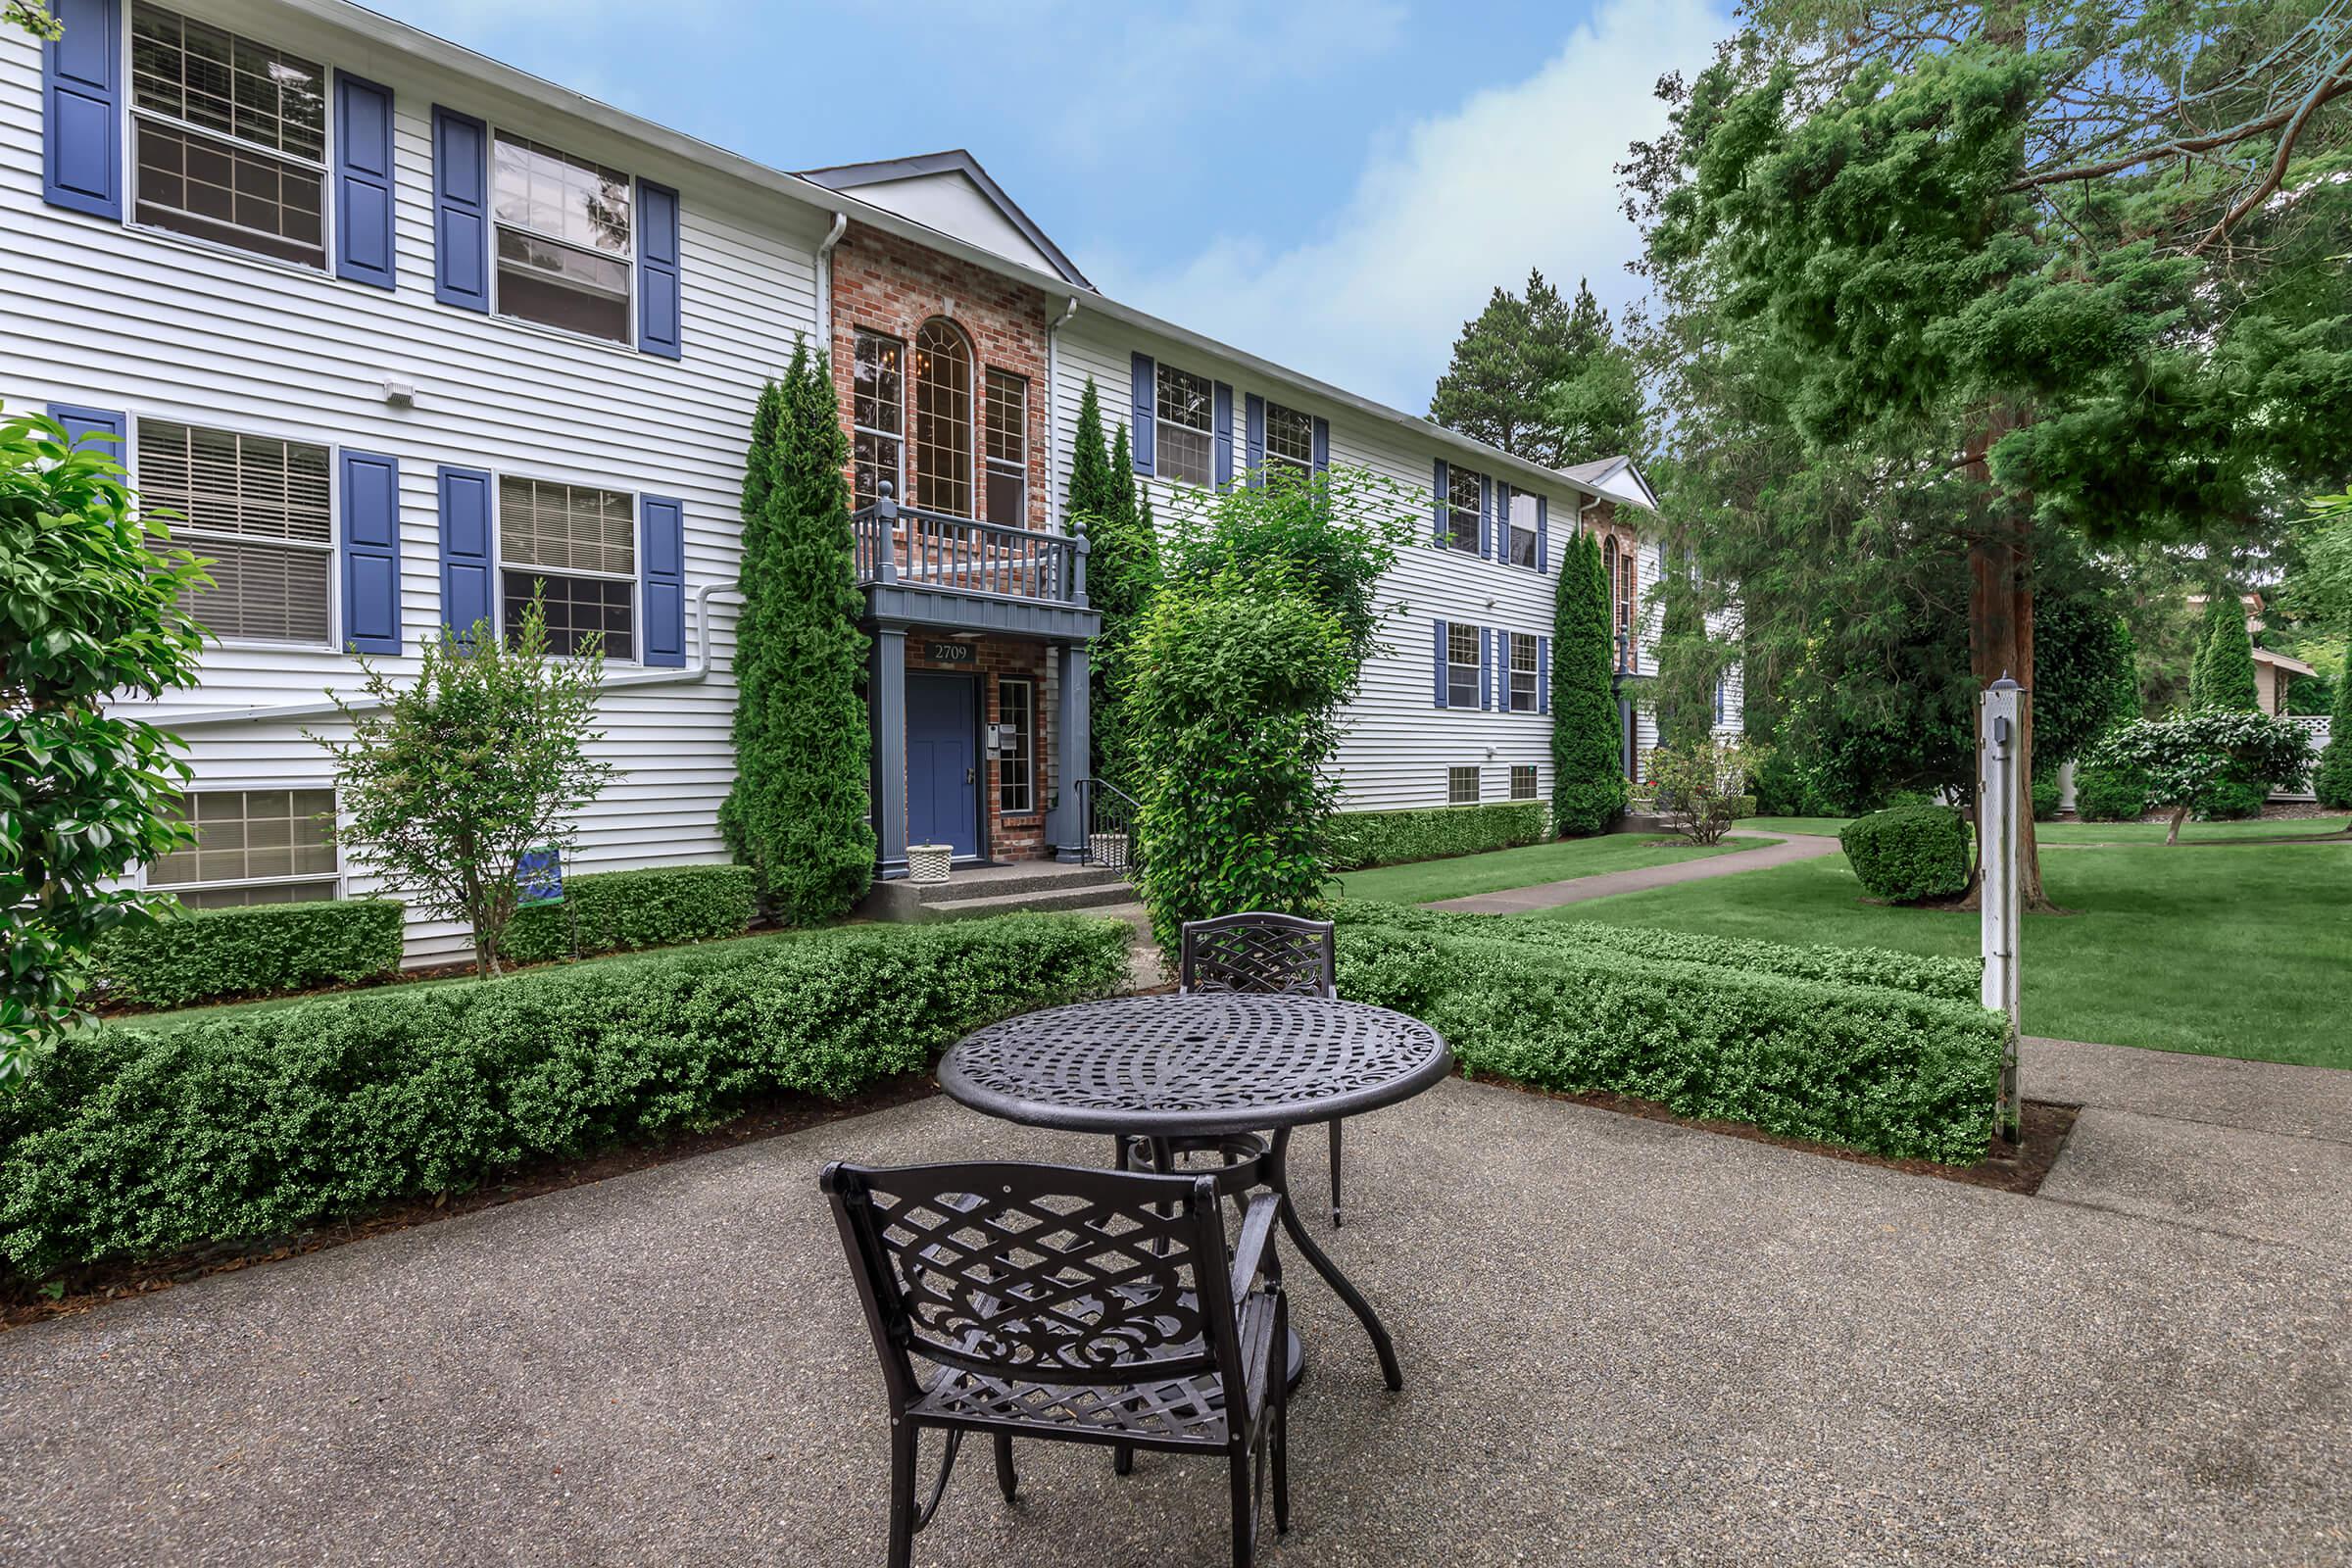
81,108
370,483
1221,423
466,595
1322,445
460,210
1438,507
1486,519
1440,655
1542,674
1542,535
1253,437
363,181
661,526
81,423
660,303
1141,444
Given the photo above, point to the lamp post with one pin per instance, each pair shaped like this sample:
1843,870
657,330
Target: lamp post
2000,796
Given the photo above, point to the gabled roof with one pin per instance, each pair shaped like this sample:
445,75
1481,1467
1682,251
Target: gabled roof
921,187
1617,479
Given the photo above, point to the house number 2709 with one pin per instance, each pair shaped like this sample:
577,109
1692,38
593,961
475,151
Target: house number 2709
949,653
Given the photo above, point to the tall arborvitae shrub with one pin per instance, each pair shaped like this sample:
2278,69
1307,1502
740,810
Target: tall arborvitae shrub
2223,680
1091,495
2333,780
1587,785
1121,568
798,813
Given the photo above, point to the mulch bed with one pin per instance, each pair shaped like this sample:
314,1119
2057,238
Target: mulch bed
2045,1128
83,1289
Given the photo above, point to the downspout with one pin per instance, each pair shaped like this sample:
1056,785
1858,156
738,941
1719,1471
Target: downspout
824,277
1053,508
697,673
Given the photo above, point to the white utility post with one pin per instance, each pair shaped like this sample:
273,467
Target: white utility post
2000,803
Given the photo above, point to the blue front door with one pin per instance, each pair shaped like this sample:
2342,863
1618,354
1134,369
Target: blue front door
943,763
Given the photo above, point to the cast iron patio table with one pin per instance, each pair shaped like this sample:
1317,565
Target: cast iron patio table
1205,1066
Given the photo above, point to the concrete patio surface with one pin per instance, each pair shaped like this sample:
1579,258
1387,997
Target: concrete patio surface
1625,1341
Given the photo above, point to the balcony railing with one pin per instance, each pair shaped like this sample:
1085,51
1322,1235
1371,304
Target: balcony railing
910,547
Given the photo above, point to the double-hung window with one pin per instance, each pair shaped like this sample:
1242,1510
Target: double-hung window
576,547
1016,759
1462,665
259,509
1523,781
251,846
1523,530
1186,443
563,239
1461,786
1463,509
877,416
1523,673
1008,449
228,138
1289,443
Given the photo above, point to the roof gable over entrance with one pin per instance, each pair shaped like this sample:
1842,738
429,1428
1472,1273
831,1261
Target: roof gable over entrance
950,192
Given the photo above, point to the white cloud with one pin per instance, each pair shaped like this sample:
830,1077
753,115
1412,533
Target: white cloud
1515,178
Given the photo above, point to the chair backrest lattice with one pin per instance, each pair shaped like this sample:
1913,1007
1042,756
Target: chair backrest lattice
1037,1273
1277,954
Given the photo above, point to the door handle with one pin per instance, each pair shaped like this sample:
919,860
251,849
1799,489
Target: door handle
971,775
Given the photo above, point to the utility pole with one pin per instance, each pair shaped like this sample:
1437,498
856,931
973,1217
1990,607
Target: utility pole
2000,798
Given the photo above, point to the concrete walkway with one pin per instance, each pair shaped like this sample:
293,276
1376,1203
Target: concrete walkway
1793,847
1625,1343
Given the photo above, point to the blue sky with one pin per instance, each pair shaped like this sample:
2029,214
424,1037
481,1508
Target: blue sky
1333,183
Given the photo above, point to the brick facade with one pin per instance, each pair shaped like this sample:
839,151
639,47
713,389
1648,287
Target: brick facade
1015,836
884,284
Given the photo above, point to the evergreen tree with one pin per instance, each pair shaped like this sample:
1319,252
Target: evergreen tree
2225,675
1587,785
1090,493
1122,566
797,813
1543,378
2333,781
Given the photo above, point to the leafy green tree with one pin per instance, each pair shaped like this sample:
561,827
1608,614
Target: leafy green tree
1588,777
92,607
447,781
2333,782
1702,785
2085,683
798,813
2190,761
31,15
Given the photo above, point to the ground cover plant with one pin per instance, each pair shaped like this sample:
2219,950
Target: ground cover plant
130,1142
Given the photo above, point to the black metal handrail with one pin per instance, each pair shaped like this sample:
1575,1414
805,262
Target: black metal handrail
920,548
1107,815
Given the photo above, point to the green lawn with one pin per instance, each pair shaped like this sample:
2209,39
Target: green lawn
1424,881
2062,833
2227,952
1825,826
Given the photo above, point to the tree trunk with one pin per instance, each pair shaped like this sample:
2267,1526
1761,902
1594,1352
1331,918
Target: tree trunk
2000,641
2171,834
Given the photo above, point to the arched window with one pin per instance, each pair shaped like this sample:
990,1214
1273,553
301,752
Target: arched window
943,418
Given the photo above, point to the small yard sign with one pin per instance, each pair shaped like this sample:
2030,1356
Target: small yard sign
539,877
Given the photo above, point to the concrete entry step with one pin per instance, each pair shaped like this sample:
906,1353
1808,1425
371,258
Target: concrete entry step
998,890
1020,876
1092,896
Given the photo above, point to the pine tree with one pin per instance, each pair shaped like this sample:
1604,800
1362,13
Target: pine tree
2224,677
1588,786
797,813
2332,783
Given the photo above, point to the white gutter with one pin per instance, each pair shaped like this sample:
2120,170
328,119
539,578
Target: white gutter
218,718
1054,488
824,278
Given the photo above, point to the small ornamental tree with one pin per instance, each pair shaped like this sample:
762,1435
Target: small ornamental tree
449,781
2333,782
91,606
1587,785
797,815
1702,786
2190,761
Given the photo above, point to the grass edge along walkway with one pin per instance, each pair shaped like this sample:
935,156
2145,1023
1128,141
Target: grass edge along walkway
1762,854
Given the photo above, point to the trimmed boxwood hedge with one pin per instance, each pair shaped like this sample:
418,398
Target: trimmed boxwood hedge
1361,840
621,912
262,950
132,1143
1897,1074
1908,853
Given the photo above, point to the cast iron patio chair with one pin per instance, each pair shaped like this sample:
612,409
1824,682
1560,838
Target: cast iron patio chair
1069,1305
1270,952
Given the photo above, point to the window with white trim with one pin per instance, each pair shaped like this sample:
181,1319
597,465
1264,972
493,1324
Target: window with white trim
1289,443
252,847
1523,781
1184,435
228,138
1523,530
1016,764
877,416
1462,509
1523,673
563,239
1461,786
260,511
1008,449
576,547
1463,645
943,418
